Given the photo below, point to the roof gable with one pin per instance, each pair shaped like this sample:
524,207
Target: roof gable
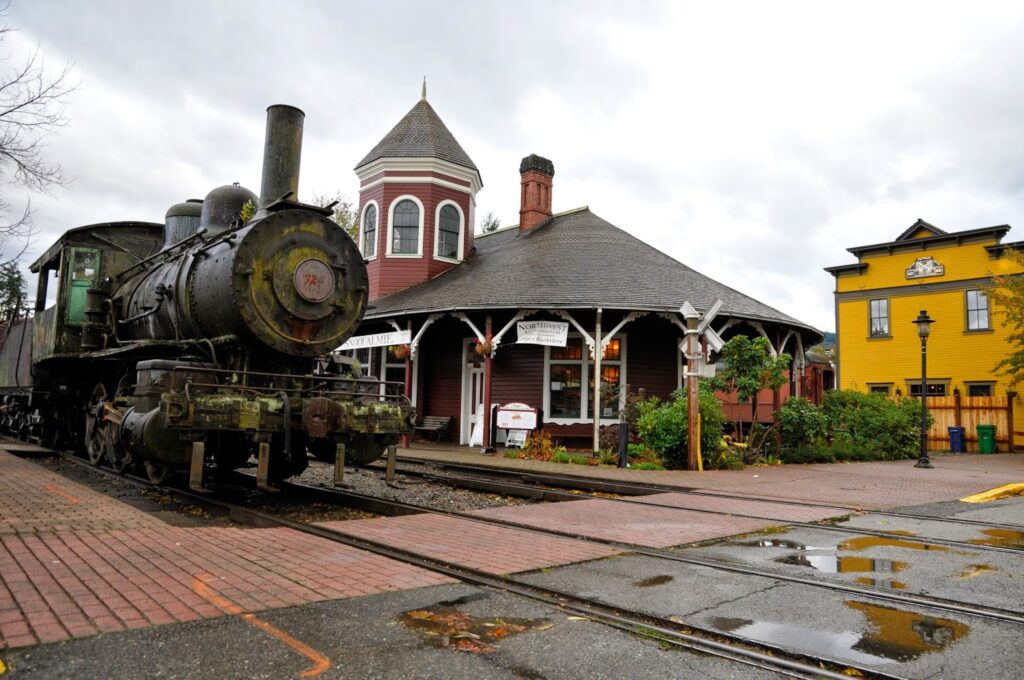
420,134
920,229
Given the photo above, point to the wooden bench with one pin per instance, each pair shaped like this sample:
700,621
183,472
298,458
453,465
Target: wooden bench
436,424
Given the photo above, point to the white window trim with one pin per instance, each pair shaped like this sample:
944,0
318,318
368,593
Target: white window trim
362,216
387,362
586,397
437,230
391,221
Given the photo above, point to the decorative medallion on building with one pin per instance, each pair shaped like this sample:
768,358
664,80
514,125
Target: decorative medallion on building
924,267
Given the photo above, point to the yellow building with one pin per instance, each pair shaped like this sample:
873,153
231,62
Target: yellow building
925,268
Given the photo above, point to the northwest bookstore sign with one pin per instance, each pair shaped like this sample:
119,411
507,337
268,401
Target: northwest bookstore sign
552,333
378,340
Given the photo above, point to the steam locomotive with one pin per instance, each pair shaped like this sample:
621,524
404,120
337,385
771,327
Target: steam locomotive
204,340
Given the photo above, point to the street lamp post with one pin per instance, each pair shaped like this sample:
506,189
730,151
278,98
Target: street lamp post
924,323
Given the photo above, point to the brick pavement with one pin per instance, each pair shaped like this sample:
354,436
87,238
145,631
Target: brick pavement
74,562
786,512
490,548
874,486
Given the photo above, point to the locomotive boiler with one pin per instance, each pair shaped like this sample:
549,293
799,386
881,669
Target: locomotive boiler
205,340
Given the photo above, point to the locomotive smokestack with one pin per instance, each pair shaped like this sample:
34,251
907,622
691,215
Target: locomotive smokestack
282,153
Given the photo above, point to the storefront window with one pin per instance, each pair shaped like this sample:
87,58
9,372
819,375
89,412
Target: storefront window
569,395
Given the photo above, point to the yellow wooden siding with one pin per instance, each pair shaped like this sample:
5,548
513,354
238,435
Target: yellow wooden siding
969,261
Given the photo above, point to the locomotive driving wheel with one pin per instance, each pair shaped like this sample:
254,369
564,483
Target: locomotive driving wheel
95,426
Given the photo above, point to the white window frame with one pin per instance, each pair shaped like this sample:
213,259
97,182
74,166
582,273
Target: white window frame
391,222
585,363
980,293
386,362
437,230
376,245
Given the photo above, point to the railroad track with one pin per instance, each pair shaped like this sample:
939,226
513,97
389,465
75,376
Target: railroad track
666,631
637,489
542,491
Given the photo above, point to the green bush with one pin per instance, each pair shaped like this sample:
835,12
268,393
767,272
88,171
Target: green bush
663,427
646,466
863,422
801,423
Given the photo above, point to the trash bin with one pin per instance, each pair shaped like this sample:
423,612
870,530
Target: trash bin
956,440
986,438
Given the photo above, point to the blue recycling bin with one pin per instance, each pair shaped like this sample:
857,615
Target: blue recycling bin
956,440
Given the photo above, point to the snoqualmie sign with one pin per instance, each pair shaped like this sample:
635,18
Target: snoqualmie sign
378,340
553,333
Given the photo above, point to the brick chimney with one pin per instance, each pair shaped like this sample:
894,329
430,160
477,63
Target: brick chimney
535,204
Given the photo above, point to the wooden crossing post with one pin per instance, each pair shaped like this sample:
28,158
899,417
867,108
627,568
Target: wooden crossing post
389,471
195,474
339,465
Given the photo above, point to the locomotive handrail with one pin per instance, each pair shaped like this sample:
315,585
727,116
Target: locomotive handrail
141,264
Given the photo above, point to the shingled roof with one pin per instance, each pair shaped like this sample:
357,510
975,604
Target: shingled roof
574,260
420,134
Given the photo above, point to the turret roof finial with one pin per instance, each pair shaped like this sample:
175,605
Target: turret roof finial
423,95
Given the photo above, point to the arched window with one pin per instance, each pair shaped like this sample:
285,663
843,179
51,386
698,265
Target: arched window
370,231
448,232
405,232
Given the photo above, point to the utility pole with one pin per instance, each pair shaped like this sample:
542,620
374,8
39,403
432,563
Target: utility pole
697,325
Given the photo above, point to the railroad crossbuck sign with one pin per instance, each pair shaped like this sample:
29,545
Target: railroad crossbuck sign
704,329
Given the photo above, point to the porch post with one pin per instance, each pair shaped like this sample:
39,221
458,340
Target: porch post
408,381
487,389
598,355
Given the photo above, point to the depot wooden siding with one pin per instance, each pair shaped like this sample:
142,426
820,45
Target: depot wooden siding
388,274
440,378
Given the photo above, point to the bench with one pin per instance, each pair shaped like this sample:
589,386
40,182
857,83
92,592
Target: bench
436,424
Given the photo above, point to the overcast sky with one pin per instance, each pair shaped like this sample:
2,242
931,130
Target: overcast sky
753,141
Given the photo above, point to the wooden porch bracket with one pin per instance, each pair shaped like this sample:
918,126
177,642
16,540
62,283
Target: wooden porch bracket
414,345
520,315
563,314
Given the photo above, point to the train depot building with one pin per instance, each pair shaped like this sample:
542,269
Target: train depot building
946,274
463,322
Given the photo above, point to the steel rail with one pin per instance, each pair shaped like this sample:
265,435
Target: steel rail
551,494
638,489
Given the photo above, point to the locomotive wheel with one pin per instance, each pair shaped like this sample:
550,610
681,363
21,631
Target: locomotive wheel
119,457
95,426
158,473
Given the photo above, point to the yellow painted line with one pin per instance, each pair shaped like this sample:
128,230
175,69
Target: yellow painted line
3,668
1005,491
320,662
63,494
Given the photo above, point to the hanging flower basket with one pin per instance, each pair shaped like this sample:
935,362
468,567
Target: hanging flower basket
484,347
400,351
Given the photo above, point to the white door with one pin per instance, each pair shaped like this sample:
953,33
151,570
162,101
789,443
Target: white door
472,388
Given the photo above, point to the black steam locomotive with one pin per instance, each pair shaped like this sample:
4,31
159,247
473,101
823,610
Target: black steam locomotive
203,340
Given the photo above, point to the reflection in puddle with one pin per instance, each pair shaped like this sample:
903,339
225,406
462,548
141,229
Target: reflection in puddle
653,581
781,543
865,542
1001,538
976,570
890,635
881,583
445,626
833,564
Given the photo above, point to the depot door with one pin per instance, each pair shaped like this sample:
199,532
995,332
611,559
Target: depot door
472,389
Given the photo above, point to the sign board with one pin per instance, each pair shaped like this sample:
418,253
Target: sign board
517,416
378,340
516,438
551,333
925,267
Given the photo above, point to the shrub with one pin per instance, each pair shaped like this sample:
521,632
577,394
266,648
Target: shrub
646,466
663,427
801,423
862,422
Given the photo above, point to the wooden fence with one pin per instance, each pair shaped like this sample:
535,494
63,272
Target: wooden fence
969,412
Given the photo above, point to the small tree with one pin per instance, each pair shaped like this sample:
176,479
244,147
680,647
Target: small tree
747,367
490,223
12,290
345,214
1008,293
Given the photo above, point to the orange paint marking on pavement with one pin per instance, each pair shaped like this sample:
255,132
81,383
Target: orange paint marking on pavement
320,662
63,494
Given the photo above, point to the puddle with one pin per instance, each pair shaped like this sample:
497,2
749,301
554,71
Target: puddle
889,635
653,581
865,542
1001,538
976,570
900,532
881,583
782,543
445,626
834,564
